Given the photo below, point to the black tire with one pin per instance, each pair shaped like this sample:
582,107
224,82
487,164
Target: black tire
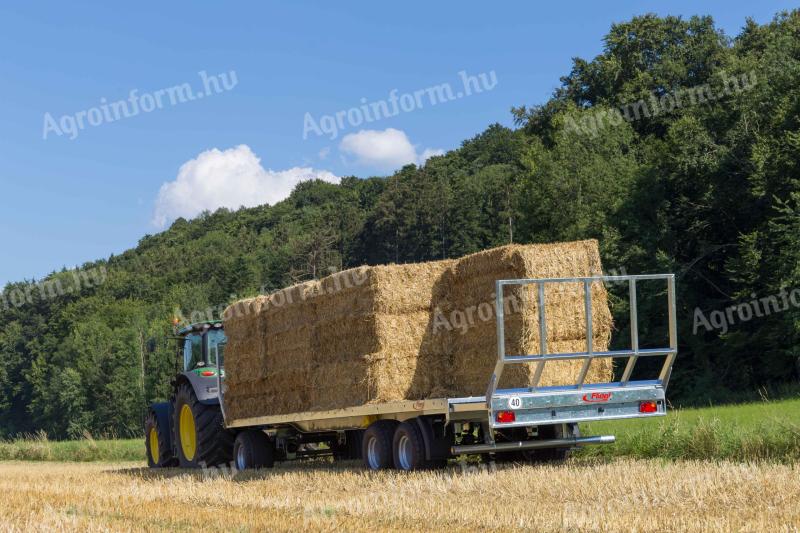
377,446
352,446
213,443
161,440
253,449
408,447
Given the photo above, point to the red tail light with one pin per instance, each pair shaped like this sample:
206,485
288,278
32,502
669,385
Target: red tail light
208,373
505,417
648,407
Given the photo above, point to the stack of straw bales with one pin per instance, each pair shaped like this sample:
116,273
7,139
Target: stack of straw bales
470,284
358,336
408,332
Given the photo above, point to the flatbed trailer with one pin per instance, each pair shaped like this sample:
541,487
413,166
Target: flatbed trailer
533,423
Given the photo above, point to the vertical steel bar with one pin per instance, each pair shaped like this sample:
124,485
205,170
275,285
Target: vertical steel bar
542,322
501,344
634,317
666,370
537,375
587,304
499,312
673,333
587,307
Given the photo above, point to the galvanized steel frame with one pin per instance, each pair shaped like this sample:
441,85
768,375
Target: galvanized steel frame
543,357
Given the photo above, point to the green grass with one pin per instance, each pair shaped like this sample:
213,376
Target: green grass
39,448
766,430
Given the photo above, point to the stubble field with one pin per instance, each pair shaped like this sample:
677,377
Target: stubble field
582,495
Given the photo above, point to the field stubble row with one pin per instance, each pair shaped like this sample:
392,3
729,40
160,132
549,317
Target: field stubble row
616,495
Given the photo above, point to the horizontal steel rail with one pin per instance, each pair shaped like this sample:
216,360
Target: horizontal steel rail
590,279
647,352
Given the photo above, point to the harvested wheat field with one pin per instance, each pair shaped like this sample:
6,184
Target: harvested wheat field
624,495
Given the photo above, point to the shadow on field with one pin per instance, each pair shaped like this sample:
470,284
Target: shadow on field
227,472
454,469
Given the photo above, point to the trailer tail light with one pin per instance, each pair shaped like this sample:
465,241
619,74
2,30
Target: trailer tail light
505,417
649,406
208,373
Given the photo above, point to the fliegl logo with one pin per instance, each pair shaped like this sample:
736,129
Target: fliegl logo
597,397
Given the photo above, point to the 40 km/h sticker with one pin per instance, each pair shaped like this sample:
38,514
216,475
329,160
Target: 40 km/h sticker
514,402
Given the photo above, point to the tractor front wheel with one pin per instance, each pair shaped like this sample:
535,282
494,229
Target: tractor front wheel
201,438
156,442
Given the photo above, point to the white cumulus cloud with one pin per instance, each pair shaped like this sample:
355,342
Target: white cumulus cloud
386,150
230,178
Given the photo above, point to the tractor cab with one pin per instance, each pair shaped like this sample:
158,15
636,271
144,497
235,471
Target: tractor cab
200,346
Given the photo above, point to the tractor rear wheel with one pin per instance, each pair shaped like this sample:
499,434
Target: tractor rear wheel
200,437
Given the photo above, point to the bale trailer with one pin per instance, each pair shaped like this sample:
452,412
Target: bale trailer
535,423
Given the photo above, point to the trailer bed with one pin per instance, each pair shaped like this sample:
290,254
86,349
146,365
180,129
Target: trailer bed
548,405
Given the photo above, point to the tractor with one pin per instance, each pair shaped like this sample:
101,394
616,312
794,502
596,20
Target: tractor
188,431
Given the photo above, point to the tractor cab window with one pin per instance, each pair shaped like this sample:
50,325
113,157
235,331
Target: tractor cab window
192,351
216,345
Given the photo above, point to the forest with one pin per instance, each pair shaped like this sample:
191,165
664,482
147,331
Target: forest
678,148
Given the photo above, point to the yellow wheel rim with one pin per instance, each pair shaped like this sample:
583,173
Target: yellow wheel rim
188,434
154,452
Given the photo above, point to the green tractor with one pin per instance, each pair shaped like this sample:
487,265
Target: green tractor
188,430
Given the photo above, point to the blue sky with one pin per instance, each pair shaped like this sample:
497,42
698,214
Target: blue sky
67,201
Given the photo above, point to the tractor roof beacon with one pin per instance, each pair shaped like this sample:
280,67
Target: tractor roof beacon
535,423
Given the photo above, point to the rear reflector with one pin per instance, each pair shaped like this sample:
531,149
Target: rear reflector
648,407
505,417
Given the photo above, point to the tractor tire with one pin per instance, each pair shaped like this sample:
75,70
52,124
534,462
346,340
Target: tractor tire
200,437
253,449
157,443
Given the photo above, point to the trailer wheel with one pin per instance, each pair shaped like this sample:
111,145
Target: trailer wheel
377,445
156,442
409,447
253,449
200,436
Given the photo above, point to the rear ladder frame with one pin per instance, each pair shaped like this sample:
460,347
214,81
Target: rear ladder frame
534,400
